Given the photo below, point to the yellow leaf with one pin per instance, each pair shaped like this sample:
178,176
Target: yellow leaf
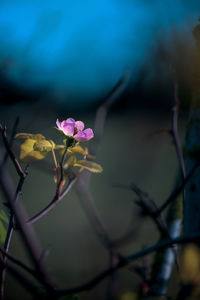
36,137
129,296
58,147
190,264
89,165
70,162
44,145
78,149
27,152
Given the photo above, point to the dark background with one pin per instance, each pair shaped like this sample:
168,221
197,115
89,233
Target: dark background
60,60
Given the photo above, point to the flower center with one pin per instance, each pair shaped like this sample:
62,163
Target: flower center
75,130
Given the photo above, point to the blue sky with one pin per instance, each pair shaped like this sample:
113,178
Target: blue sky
81,48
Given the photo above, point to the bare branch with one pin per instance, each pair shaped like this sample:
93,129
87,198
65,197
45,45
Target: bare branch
10,153
180,188
125,260
175,133
54,202
26,231
14,129
10,232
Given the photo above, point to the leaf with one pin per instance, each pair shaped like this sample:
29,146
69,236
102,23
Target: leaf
27,152
77,149
70,162
58,147
2,233
129,296
190,264
89,165
36,137
80,150
44,146
3,216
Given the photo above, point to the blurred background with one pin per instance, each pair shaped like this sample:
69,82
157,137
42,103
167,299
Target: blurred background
60,59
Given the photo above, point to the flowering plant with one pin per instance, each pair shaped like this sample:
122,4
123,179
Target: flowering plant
36,147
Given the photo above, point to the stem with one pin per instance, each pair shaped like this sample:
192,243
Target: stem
54,158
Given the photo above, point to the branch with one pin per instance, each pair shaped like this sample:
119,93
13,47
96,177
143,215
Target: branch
175,133
27,233
16,261
125,260
14,130
10,232
180,188
164,260
10,153
82,185
28,285
53,203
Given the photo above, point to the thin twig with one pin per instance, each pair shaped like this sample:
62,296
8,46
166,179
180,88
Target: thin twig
27,284
175,133
54,202
10,153
26,231
58,196
125,260
164,260
179,189
16,261
14,130
82,185
10,232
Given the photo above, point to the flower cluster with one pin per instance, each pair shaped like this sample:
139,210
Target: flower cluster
75,129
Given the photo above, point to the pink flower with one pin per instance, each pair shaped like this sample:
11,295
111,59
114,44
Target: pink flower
73,128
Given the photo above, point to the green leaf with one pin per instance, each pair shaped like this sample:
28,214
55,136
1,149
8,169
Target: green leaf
36,137
3,216
89,165
27,152
2,233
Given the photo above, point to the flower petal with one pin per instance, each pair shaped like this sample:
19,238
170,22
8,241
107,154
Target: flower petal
79,125
89,132
80,136
58,124
85,135
68,129
70,120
